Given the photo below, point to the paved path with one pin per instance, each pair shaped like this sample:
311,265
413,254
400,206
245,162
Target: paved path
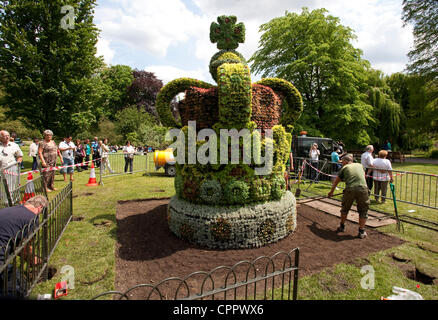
333,207
421,160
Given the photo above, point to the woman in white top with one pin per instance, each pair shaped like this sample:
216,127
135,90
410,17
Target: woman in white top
104,150
129,151
382,174
314,157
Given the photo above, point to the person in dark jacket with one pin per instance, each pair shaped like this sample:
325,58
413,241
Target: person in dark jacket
16,223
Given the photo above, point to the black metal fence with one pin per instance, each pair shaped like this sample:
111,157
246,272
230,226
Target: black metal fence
12,192
9,182
265,278
26,256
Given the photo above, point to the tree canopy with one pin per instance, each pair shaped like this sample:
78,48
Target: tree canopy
47,68
315,52
423,16
143,91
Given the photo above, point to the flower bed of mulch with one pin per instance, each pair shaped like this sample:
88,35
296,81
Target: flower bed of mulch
148,252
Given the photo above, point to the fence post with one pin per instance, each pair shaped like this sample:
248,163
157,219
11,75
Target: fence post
71,199
147,163
100,174
297,263
7,192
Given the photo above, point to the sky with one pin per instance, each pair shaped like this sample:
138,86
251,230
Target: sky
171,37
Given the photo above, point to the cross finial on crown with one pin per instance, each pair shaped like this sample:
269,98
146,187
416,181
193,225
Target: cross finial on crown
227,33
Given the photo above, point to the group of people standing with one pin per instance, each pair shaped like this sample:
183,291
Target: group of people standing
378,172
69,154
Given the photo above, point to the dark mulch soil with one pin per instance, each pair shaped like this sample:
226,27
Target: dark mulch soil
147,252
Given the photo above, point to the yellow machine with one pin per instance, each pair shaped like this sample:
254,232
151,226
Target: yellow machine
165,159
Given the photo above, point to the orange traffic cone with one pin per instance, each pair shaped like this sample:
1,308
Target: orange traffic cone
92,181
29,191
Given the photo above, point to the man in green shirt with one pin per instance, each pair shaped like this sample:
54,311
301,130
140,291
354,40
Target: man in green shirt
355,189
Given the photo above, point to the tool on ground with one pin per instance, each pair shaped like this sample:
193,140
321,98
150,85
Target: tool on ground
395,207
300,174
298,191
320,198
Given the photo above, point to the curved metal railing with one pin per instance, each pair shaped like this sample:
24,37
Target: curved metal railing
226,282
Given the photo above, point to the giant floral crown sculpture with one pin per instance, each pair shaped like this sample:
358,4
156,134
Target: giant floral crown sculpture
230,205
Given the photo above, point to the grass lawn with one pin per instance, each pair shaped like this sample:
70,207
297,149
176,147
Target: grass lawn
343,281
89,245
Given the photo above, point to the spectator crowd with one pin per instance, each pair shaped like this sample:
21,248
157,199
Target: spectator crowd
71,154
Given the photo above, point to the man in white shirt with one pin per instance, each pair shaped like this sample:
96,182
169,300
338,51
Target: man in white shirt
367,161
10,153
67,147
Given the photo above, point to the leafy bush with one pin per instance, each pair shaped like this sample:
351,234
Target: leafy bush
107,129
260,190
235,95
179,185
224,56
278,187
236,192
433,154
211,191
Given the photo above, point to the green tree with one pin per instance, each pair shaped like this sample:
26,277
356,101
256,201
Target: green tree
423,16
350,123
315,52
154,136
107,129
417,97
388,115
116,80
47,58
130,119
